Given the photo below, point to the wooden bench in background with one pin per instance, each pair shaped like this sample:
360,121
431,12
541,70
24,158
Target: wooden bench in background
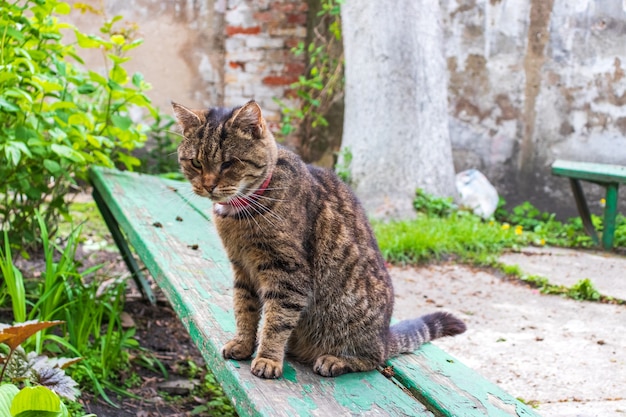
609,177
176,240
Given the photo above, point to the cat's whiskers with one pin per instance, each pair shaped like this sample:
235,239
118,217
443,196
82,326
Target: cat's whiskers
262,197
263,210
252,203
243,208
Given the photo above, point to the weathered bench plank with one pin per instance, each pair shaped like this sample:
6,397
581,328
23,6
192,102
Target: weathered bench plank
590,171
452,389
172,232
197,282
605,175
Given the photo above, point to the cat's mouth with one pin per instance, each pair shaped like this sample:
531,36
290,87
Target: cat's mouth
238,203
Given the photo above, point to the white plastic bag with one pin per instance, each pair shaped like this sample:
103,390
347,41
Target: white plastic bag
477,193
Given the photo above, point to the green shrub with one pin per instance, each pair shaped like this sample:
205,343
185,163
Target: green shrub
57,118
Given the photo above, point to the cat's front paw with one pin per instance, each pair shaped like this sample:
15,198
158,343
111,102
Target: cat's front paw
238,349
267,368
329,365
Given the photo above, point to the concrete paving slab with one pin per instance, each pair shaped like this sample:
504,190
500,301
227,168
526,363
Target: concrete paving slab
568,357
606,271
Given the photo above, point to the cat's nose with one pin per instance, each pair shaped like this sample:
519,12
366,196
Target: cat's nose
210,187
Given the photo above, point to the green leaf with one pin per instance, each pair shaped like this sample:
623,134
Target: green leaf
87,41
13,152
118,74
81,119
62,105
137,79
39,399
118,59
103,158
52,166
86,88
17,93
67,152
12,32
122,122
95,77
48,85
7,394
63,8
129,161
132,45
8,106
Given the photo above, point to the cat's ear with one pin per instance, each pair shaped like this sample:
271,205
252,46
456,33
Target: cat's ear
188,119
249,118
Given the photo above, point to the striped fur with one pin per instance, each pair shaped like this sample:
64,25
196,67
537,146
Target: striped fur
303,254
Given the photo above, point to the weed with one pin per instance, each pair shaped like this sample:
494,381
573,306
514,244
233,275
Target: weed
218,404
34,384
433,206
89,307
342,168
322,85
583,290
14,282
546,228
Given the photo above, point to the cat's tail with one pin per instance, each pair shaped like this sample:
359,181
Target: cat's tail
407,335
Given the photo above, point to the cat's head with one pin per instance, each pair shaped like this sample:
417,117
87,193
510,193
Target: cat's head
225,153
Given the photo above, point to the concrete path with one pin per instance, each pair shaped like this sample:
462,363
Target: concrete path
566,357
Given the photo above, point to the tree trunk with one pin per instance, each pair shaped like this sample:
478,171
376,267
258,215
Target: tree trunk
396,118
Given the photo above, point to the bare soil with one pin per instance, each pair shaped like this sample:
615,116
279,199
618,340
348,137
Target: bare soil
162,334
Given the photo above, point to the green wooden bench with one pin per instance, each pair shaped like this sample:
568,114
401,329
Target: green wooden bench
609,177
173,235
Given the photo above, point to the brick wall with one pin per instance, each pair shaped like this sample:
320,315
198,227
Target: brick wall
257,43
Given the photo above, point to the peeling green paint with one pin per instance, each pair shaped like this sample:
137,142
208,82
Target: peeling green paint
201,291
360,392
303,406
289,373
225,318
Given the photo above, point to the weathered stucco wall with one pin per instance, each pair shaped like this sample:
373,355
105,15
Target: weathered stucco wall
212,52
533,81
529,81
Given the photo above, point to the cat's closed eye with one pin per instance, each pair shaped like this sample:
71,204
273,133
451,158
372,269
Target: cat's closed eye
195,163
225,165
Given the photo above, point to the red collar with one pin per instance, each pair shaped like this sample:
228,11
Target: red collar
241,202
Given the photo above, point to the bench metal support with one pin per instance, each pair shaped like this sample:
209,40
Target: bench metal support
122,245
583,209
605,175
610,213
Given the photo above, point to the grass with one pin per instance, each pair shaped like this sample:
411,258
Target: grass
94,235
443,232
460,236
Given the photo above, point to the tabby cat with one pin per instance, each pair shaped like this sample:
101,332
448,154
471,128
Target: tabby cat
302,252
